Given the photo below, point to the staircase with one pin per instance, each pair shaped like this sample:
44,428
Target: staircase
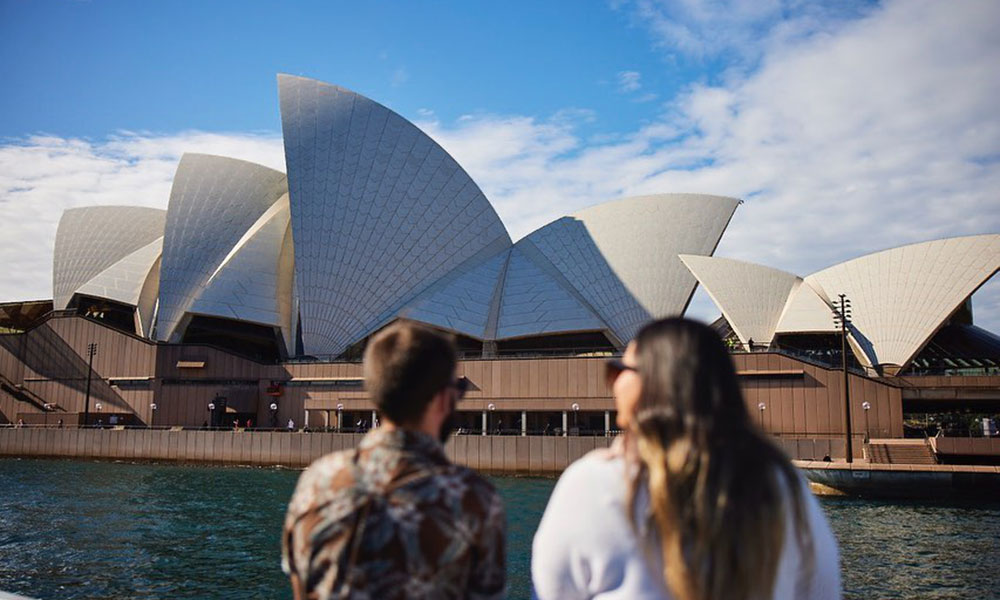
21,393
900,452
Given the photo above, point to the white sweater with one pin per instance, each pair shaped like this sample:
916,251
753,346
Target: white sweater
585,548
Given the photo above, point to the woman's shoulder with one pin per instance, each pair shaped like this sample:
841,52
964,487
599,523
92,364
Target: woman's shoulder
584,546
602,467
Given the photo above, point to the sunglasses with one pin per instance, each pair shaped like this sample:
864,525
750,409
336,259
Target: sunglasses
614,367
461,386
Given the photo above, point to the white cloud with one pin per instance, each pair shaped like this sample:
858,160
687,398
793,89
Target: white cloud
629,81
738,30
881,133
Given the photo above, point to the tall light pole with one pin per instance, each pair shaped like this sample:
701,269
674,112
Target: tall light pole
761,407
842,317
91,351
492,407
576,410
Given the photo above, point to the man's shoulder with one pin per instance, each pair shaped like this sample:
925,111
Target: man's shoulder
325,475
332,463
469,477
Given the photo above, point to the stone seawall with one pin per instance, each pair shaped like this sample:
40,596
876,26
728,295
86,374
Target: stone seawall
903,481
528,455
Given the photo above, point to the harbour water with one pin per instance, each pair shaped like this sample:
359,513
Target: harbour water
74,529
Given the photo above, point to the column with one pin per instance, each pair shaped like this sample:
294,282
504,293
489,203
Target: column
565,431
524,422
340,420
374,418
326,420
484,422
607,423
306,424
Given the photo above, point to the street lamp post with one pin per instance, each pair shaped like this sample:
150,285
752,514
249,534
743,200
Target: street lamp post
340,416
489,424
867,406
576,410
761,407
274,414
152,413
842,317
97,407
211,415
91,351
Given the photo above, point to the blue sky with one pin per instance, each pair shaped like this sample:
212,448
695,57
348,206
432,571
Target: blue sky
885,110
89,68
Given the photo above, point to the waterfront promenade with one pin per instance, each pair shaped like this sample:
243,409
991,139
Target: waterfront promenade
526,455
496,454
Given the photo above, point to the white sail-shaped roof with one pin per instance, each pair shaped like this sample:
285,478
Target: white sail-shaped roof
536,302
374,222
806,312
214,201
462,301
133,280
254,282
901,297
380,212
751,297
622,256
91,239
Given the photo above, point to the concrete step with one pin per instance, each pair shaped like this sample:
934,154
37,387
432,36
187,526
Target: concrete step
901,452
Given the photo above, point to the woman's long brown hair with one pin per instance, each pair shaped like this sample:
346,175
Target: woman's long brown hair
719,490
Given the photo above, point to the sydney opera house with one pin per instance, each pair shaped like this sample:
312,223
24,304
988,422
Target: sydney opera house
252,295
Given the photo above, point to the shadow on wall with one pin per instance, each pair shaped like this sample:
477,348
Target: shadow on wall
43,351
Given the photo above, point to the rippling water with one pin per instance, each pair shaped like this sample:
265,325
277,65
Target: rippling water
103,530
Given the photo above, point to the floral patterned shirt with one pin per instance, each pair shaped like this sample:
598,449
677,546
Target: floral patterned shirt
393,518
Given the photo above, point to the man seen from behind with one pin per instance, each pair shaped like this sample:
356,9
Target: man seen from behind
393,518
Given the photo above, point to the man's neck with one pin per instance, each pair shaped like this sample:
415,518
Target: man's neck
387,425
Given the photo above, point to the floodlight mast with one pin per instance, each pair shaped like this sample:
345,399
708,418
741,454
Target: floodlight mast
91,351
842,317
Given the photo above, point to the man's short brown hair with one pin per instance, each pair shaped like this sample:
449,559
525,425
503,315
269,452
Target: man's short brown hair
405,365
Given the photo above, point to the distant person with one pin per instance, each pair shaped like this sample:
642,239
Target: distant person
60,423
291,425
692,502
393,518
20,423
249,423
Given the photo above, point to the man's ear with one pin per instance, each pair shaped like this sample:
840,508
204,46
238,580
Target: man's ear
442,402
